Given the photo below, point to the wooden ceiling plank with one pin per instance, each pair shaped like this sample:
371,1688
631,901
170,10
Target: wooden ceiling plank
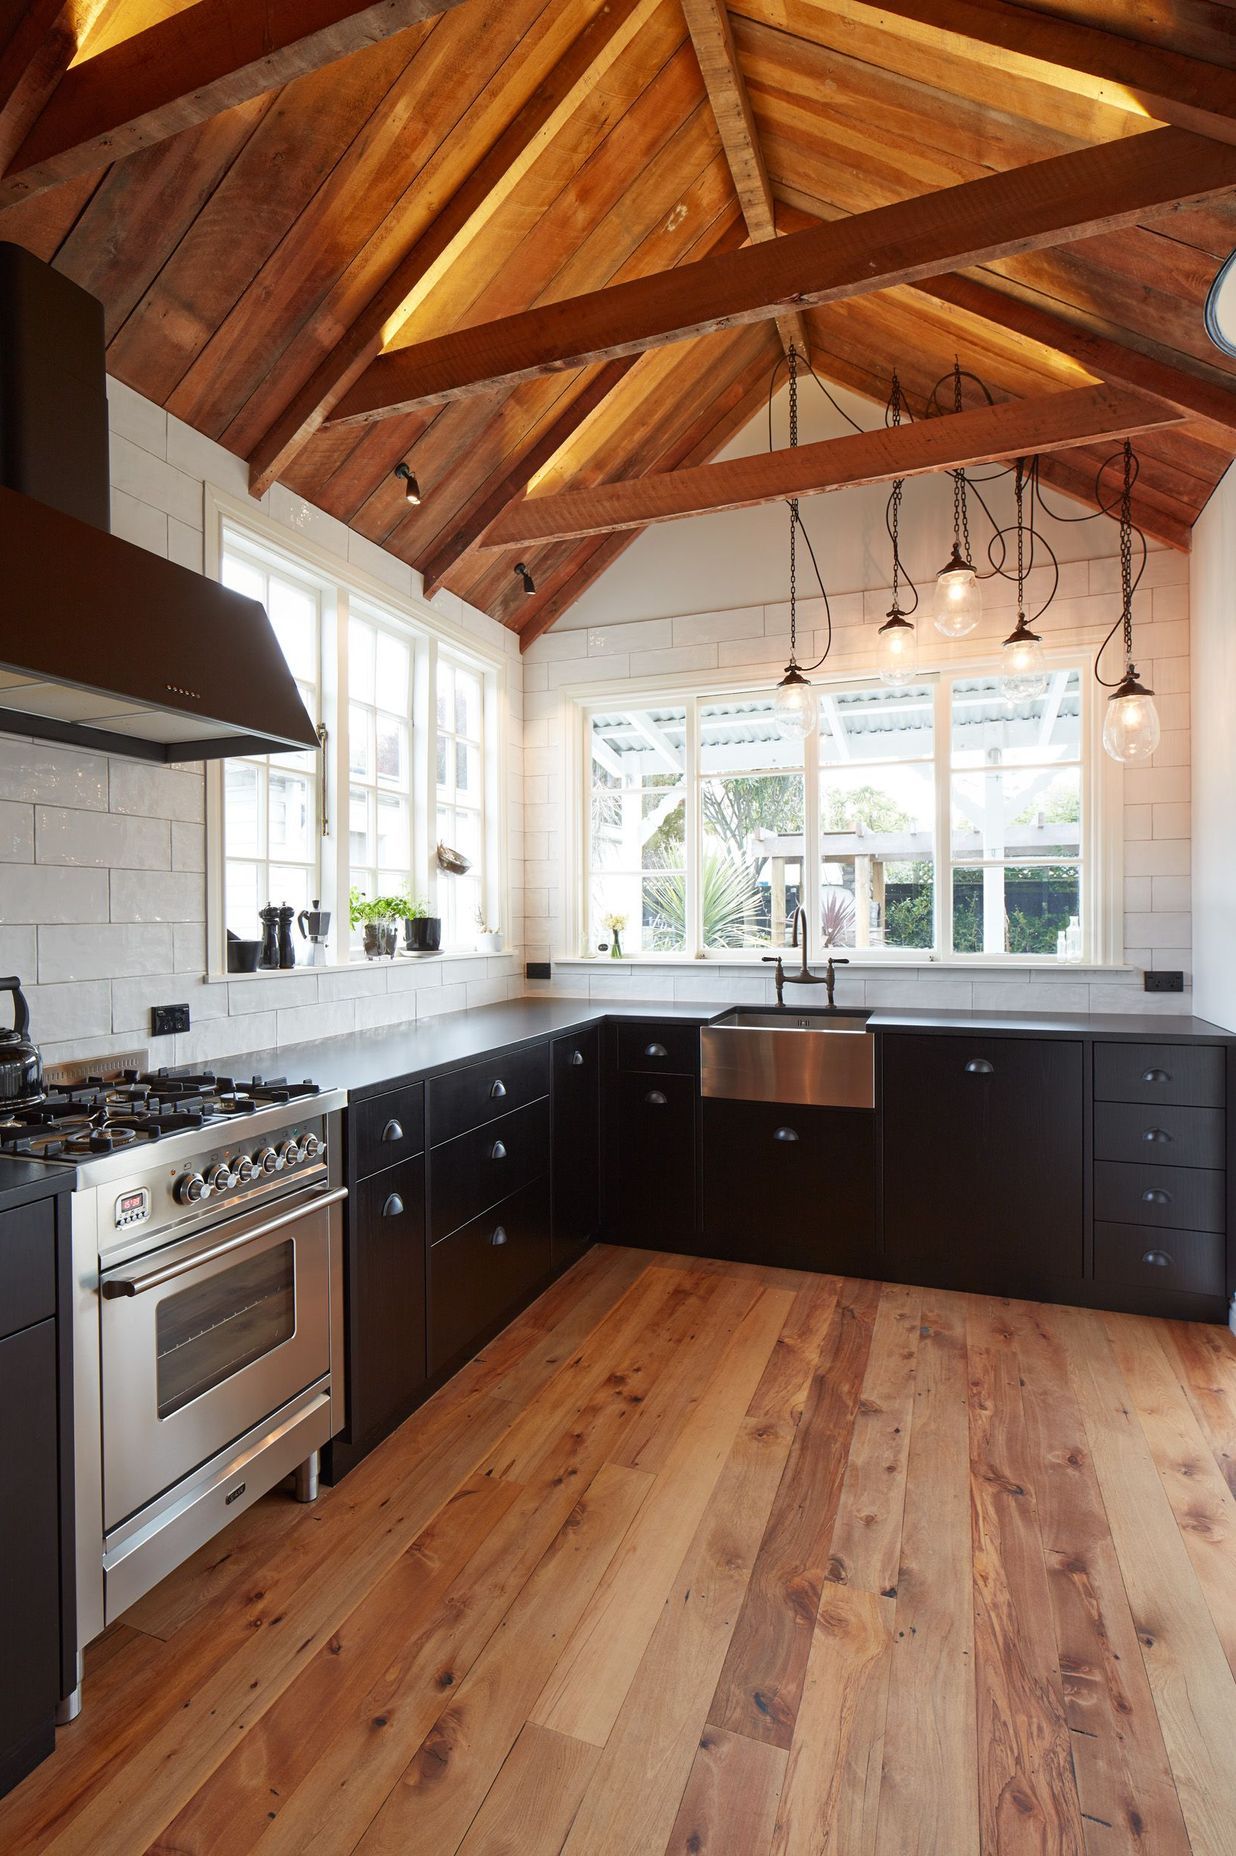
179,71
461,220
1151,80
1065,198
708,22
48,37
1077,416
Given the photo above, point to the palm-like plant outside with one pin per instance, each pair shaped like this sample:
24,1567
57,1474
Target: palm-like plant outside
729,899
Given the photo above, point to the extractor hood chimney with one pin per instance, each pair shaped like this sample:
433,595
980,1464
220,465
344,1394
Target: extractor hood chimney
103,644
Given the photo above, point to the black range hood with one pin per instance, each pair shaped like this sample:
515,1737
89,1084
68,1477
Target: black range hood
103,644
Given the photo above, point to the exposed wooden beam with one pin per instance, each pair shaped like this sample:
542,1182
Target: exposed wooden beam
1045,203
1089,61
1015,428
465,215
48,36
183,69
1208,398
708,22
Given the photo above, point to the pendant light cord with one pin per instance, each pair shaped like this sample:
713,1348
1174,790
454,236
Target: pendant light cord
793,359
1128,579
892,512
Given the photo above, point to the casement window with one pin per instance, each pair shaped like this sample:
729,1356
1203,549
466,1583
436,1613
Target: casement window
410,752
943,820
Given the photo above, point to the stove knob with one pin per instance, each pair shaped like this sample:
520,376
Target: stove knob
266,1160
221,1179
245,1170
192,1188
289,1153
313,1148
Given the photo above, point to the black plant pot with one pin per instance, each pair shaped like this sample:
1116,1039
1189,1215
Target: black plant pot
423,934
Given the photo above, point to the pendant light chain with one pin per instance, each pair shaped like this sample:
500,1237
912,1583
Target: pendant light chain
898,488
1021,539
1126,556
793,361
961,501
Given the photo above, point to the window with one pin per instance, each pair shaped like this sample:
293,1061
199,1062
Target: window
409,761
947,819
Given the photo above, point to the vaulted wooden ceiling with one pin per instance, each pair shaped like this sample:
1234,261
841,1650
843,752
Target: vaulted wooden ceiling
267,197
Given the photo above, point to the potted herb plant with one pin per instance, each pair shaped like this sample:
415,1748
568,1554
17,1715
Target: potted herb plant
422,931
377,918
488,940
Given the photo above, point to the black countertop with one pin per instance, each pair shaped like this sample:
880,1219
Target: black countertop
23,1180
366,1062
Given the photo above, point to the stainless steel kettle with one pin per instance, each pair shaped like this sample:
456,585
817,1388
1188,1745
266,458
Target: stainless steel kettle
21,1066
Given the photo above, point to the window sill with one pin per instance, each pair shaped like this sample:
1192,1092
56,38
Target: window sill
872,963
401,959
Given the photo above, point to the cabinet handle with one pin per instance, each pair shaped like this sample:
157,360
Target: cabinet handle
785,1134
577,1058
393,1206
393,1131
498,1151
1156,1076
499,1088
656,1098
979,1066
655,1050
1159,1258
499,1237
1155,1195
1155,1134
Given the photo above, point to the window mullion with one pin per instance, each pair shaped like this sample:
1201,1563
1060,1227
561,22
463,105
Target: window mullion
942,871
809,888
693,832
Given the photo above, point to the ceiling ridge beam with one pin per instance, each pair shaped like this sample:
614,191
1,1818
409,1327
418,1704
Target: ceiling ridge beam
472,206
1013,428
708,22
1090,61
1043,203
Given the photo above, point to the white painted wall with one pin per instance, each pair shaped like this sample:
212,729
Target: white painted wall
1214,748
103,859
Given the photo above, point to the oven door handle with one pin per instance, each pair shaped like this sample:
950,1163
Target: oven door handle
112,1287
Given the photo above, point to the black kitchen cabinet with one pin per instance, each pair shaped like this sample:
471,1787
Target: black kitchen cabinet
790,1185
482,1275
651,1198
983,1162
576,1210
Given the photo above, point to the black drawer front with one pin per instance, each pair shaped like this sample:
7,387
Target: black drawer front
670,1049
386,1269
789,1185
468,1098
1167,1197
1160,1136
1189,1260
1158,1073
27,1266
387,1129
486,1271
487,1164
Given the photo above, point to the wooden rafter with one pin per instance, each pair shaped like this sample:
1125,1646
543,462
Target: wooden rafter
463,219
186,68
1045,203
1105,66
1078,416
708,22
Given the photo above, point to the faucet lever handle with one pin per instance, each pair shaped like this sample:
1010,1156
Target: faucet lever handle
838,960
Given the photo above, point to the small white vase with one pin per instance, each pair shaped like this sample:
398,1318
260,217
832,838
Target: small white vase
489,943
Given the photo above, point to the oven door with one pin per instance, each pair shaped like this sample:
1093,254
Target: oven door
204,1339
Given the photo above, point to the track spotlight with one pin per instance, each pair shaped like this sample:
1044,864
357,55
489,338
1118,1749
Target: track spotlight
526,577
411,488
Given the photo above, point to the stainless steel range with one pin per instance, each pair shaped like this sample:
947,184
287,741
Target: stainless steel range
208,1326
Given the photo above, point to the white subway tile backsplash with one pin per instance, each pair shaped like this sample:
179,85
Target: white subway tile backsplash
105,950
157,792
140,523
34,770
82,1009
188,846
16,833
158,896
33,893
70,837
278,993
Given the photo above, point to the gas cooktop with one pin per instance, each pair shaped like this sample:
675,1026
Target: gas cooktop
102,1114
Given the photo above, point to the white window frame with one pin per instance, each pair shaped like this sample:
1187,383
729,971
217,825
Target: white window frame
426,631
1101,837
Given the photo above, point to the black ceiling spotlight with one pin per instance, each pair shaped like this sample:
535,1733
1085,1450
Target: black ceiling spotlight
411,488
526,577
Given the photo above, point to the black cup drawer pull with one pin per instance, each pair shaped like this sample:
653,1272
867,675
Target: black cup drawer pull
577,1058
655,1050
785,1134
1155,1134
393,1131
979,1066
1155,1195
1159,1258
499,1088
1156,1076
498,1151
393,1207
656,1098
499,1237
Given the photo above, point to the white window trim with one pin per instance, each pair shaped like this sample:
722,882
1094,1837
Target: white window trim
429,629
1102,863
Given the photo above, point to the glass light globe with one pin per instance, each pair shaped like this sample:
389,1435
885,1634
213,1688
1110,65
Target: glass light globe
1023,669
958,604
794,704
897,647
1131,722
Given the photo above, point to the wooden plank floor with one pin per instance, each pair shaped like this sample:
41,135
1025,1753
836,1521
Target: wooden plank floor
700,1558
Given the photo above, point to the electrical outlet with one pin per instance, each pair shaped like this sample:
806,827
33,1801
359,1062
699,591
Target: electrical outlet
1163,980
165,1019
537,970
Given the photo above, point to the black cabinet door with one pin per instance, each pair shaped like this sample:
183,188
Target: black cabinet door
982,1161
482,1275
576,1144
651,1191
29,1552
386,1283
791,1186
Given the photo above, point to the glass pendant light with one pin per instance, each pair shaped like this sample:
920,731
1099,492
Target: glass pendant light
1131,722
1022,667
795,705
958,603
896,641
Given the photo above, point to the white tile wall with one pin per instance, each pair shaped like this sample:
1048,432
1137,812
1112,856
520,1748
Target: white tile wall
102,859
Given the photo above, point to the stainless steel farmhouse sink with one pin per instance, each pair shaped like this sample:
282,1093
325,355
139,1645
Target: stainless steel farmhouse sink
823,1058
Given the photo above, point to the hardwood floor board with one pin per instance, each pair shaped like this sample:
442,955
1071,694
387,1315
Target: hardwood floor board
588,1688
929,1784
729,1807
209,1571
445,1784
866,1545
1206,1359
530,1807
758,1691
533,1347
1194,1694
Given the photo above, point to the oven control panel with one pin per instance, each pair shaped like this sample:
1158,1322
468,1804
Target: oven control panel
225,1173
132,1207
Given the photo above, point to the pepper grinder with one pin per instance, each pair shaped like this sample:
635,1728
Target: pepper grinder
269,918
287,949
